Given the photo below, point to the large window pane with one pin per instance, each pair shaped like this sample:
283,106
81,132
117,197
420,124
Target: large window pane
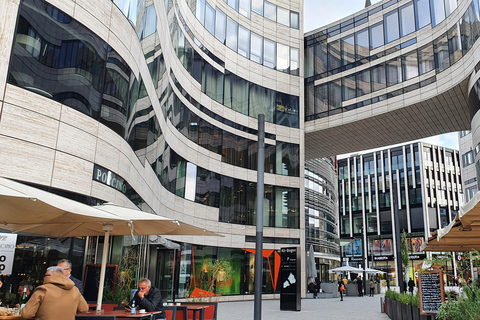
287,207
349,87
256,48
321,98
270,11
244,42
348,50
257,6
363,82
207,188
335,95
150,21
220,26
379,78
440,50
450,5
422,10
286,110
200,11
233,4
437,8
283,16
269,53
362,44
454,43
376,35
294,19
232,33
334,55
391,26
212,83
294,61
426,60
210,137
321,58
210,19
236,93
407,19
244,8
262,101
410,65
394,71
283,58
234,149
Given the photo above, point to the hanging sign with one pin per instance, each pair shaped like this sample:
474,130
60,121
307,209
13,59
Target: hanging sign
8,241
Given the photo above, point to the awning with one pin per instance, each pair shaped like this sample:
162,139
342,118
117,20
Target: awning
462,234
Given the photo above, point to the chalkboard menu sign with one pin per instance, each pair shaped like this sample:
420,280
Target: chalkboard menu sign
432,293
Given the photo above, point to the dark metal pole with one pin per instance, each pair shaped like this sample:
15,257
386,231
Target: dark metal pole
398,244
259,235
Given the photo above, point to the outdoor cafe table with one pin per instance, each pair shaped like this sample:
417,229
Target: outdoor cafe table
11,317
119,314
195,310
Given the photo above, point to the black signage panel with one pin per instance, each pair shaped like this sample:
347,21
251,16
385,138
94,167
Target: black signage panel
290,282
432,293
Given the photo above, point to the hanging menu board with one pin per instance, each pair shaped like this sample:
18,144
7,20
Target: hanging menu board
432,293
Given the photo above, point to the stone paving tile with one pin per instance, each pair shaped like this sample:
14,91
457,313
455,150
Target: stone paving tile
352,308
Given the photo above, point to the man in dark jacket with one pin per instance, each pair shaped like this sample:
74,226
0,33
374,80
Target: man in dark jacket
67,267
148,298
411,285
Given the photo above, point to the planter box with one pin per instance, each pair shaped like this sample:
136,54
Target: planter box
415,313
351,289
398,314
406,311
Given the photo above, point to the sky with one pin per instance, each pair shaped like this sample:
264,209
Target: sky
319,13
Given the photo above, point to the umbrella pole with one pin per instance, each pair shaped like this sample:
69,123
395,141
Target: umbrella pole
107,228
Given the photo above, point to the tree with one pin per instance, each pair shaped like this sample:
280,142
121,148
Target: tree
404,250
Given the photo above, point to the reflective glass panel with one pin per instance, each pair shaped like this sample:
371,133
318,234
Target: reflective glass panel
283,16
234,149
410,65
207,188
200,11
210,19
440,50
391,26
379,79
270,11
294,19
244,8
321,58
450,5
283,58
269,53
150,21
349,87
335,94
437,9
321,98
244,42
348,50
454,43
220,26
212,83
286,107
376,35
363,82
261,100
334,55
422,10
233,4
257,6
407,19
256,48
236,93
287,207
190,181
232,33
426,60
294,61
362,44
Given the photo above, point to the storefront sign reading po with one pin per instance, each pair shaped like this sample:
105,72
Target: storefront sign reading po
8,242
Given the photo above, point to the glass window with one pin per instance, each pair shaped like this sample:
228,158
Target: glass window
294,61
283,58
294,19
407,19
269,53
335,95
256,48
270,11
450,5
348,50
426,61
379,79
321,58
440,50
376,35
309,99
212,83
334,55
410,65
181,45
287,207
349,87
233,4
454,43
261,101
468,28
244,42
244,8
200,11
207,188
151,21
210,19
437,8
288,157
283,16
257,6
210,137
422,10
391,26
362,44
236,93
234,149
190,181
220,26
286,107
363,82
232,33
394,71
321,98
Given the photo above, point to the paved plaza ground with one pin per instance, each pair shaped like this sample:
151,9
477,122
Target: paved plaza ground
354,308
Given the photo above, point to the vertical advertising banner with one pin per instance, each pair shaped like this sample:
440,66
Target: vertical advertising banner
8,241
290,281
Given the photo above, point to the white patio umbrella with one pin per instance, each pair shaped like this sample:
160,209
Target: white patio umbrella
370,270
345,269
311,268
31,210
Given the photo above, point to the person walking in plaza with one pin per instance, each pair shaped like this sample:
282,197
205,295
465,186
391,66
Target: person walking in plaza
148,298
57,298
67,267
411,285
372,288
341,287
360,286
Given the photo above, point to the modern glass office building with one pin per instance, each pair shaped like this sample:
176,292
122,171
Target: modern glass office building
418,183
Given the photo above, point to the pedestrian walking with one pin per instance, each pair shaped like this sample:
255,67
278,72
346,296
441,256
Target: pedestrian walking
341,287
360,286
372,288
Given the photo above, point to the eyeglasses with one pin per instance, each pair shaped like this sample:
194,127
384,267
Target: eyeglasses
142,288
47,275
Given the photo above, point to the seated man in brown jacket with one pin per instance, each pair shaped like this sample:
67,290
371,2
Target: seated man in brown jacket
57,298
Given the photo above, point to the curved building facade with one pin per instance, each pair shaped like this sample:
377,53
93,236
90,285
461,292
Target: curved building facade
154,104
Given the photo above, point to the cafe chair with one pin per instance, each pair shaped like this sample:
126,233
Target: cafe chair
99,317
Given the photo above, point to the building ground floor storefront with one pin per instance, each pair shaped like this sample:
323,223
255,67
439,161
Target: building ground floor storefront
179,270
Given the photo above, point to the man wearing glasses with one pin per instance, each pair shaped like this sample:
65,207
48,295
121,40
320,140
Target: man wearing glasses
148,298
57,298
67,266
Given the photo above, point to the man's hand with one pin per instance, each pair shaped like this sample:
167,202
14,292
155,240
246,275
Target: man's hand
141,294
